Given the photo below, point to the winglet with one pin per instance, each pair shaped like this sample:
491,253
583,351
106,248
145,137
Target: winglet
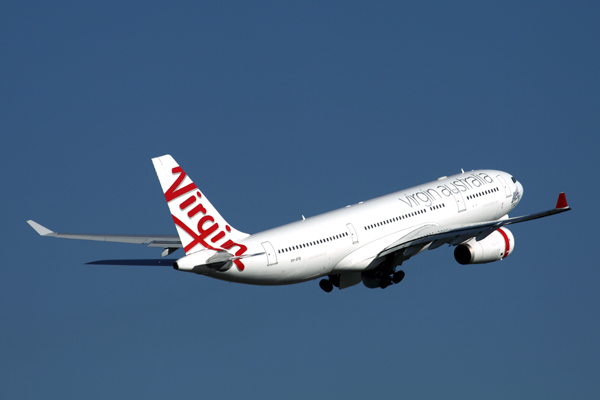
562,201
40,229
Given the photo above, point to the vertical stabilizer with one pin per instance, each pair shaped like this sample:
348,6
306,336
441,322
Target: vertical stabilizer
199,224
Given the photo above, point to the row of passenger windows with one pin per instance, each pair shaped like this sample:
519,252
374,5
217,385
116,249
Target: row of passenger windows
437,206
396,219
313,243
479,194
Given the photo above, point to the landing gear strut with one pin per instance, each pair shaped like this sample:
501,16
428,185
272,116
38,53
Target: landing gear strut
385,281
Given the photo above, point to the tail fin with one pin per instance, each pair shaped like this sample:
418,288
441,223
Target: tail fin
199,224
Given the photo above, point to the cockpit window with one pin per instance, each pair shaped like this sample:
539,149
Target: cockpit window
513,179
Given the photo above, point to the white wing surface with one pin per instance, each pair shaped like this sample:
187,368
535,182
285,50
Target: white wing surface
434,236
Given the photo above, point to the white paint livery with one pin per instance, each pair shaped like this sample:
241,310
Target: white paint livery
363,242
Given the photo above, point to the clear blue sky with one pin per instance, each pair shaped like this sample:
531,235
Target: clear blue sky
279,109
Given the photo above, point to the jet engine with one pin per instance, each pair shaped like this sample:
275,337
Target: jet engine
496,246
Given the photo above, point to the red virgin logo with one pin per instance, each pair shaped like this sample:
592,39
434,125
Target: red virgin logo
207,229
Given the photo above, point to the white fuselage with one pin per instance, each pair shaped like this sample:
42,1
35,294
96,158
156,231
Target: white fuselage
350,238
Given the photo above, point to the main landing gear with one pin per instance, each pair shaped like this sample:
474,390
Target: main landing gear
395,278
398,276
328,284
380,279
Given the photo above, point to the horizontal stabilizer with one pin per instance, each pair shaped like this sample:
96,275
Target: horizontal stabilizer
168,242
158,262
150,240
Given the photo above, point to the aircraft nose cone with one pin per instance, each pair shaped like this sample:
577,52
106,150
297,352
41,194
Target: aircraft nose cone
520,188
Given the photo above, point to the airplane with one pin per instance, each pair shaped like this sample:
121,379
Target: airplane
364,242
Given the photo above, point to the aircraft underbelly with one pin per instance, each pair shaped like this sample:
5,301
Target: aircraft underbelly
286,271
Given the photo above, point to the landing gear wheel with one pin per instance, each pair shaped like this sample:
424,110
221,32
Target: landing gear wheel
398,276
326,285
335,280
385,282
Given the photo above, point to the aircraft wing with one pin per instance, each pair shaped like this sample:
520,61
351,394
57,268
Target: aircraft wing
169,242
435,236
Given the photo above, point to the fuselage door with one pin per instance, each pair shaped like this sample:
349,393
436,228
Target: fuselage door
506,188
352,233
460,201
270,251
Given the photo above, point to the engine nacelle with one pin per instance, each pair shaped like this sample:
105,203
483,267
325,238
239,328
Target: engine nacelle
498,245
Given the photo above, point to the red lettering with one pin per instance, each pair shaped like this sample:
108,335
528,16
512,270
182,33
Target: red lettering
228,245
218,237
239,264
196,210
190,200
174,192
200,238
206,232
197,238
